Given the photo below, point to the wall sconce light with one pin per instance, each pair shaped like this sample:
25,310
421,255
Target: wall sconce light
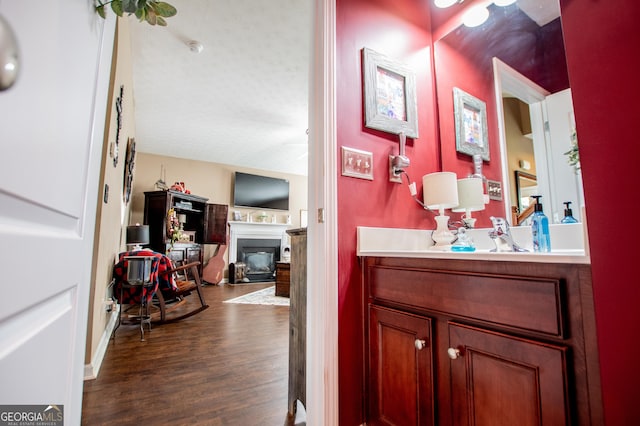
137,236
440,192
471,199
442,4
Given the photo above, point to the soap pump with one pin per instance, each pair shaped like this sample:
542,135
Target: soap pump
568,214
540,228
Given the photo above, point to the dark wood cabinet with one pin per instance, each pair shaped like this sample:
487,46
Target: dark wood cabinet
207,222
454,342
283,278
298,321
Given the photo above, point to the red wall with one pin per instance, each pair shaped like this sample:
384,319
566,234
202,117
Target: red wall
602,42
398,29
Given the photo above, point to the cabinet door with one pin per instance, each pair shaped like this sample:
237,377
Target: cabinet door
400,368
215,224
503,380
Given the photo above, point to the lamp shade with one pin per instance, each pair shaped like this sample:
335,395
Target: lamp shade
440,190
138,234
470,195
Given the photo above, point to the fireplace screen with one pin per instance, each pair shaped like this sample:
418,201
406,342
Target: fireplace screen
258,263
260,257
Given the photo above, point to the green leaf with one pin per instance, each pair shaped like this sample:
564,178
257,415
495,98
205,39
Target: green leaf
161,21
101,12
116,6
151,17
140,14
130,6
164,9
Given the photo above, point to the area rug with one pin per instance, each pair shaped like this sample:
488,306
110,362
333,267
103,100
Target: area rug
266,296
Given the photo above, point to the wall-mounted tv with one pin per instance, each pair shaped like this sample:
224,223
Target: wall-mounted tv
260,192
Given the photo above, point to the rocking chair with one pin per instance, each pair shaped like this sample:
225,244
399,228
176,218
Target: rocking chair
169,287
170,298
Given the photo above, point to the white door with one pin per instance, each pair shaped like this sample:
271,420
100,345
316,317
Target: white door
51,131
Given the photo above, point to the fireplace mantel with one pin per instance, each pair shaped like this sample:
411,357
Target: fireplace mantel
254,230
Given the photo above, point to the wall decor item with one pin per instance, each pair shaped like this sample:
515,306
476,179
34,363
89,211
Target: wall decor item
129,165
113,147
471,124
389,95
357,163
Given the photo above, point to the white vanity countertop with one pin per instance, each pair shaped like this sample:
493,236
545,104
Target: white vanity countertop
567,242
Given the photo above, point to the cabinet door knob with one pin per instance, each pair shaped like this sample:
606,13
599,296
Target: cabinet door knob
453,353
420,344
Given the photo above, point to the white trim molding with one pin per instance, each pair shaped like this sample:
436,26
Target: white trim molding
322,256
91,370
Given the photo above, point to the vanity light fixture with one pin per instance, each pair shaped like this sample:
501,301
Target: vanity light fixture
440,192
503,3
475,16
446,3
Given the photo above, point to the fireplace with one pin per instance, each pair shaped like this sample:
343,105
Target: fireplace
259,257
254,249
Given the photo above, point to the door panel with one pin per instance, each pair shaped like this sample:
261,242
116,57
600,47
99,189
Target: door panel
53,122
503,380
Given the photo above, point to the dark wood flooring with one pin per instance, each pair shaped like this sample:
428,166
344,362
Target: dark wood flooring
227,365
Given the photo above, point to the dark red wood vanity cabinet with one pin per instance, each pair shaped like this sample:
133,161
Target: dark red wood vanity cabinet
470,342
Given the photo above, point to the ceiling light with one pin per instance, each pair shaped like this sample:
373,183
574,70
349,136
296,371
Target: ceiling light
503,2
475,16
445,3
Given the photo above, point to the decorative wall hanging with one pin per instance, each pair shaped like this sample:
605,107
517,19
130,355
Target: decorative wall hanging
114,147
471,124
129,165
389,95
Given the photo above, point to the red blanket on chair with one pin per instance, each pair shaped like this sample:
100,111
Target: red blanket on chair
160,279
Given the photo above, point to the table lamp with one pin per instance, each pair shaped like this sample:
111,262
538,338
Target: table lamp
470,199
440,191
137,236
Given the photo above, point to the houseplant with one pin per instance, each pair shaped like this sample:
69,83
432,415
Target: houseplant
152,11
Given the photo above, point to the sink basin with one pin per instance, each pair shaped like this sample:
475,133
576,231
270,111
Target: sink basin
567,242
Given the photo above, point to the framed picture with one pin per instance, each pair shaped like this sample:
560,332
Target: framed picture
389,95
357,163
471,124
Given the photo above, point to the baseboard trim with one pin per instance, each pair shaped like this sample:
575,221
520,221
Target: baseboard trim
91,370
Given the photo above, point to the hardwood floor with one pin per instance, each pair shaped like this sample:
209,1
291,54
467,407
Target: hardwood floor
224,366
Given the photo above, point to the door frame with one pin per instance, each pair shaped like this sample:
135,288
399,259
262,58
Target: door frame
322,258
508,80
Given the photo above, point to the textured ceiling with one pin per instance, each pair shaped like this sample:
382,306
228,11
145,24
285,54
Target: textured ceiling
243,100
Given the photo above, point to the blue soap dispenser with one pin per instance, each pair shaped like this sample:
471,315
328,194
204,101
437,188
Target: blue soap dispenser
568,214
540,228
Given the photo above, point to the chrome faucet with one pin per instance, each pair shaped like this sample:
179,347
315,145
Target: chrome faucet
501,236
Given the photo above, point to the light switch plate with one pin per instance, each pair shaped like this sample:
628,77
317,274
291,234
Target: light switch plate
357,163
494,188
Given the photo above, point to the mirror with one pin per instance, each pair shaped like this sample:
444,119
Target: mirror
526,186
514,63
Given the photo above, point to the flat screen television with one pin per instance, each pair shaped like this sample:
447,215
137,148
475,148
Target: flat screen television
260,192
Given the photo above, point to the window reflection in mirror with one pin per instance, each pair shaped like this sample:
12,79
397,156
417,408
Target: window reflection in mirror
527,38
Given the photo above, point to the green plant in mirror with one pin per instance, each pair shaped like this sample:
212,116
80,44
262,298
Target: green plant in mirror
152,11
573,155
